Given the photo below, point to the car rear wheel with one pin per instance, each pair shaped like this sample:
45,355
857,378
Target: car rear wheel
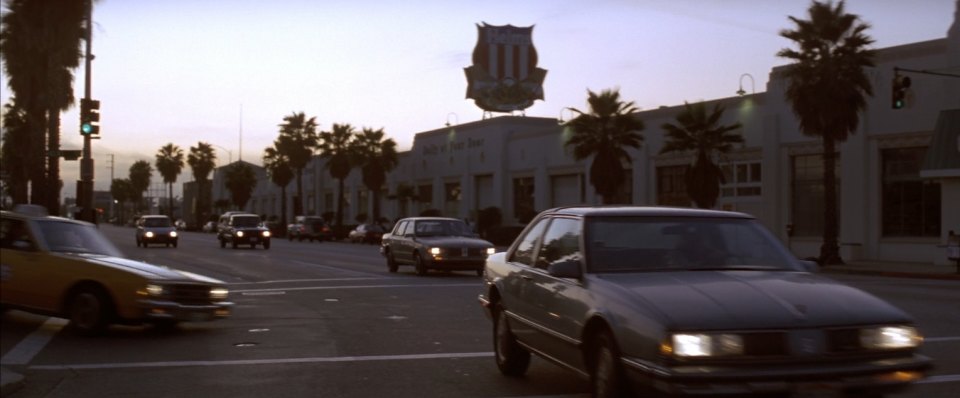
606,374
89,311
266,245
392,265
233,244
419,264
223,243
512,359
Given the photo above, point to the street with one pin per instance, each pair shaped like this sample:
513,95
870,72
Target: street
328,319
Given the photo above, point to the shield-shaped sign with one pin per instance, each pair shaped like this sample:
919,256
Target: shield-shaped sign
504,76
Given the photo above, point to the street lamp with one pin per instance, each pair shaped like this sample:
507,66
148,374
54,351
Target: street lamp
229,153
455,118
753,87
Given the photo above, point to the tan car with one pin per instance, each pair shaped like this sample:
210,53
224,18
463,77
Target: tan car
67,268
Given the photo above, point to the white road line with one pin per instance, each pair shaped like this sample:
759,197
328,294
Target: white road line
338,269
940,339
288,289
168,364
29,347
307,280
940,379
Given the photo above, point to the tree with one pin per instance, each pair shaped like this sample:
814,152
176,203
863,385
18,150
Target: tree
278,168
697,131
140,173
376,157
605,133
40,46
16,160
827,88
169,164
299,145
202,161
336,147
240,181
121,190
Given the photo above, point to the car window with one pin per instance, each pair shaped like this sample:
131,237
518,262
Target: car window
442,228
524,251
156,222
246,221
70,237
398,229
14,235
561,242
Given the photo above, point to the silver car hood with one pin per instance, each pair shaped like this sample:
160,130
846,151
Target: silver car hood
453,241
751,299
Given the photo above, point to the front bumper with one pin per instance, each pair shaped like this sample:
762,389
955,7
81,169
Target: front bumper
159,239
246,239
878,375
173,311
456,264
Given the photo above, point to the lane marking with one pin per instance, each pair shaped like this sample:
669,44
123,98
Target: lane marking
940,379
168,364
30,346
940,339
338,269
307,280
353,287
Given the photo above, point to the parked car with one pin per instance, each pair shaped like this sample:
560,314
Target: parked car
242,229
156,229
180,224
209,227
312,228
366,233
688,302
434,243
67,268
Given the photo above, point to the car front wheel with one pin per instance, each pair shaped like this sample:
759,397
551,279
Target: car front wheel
419,264
392,265
89,311
512,359
266,245
606,374
223,243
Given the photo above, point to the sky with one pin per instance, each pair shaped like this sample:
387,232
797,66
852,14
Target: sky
226,72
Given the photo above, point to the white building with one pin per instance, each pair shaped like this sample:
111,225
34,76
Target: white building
899,193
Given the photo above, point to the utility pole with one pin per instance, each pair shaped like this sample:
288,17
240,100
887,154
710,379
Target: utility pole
112,163
85,185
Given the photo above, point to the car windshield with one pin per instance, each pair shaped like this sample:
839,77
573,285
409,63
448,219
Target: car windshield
442,228
156,222
630,244
246,221
70,237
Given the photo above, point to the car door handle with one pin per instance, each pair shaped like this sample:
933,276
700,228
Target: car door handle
526,277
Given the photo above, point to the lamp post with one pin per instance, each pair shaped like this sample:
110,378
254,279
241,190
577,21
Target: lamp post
455,118
229,153
753,87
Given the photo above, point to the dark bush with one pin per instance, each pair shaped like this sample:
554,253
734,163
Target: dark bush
503,235
488,218
431,213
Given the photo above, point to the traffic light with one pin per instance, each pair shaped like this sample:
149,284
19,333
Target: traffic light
900,86
89,116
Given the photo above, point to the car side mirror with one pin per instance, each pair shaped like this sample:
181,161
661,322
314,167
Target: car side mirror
565,269
809,266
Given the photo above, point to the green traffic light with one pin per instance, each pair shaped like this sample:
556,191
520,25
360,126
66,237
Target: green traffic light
86,128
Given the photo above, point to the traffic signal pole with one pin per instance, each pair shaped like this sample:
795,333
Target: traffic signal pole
85,184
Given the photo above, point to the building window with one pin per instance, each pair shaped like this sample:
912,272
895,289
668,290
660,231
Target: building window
425,196
911,206
363,199
311,205
742,179
566,190
672,186
451,199
807,194
523,203
328,204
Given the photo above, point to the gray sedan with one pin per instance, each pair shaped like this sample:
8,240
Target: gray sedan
688,302
434,243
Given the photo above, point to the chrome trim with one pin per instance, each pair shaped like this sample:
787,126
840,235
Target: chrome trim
554,360
544,329
645,366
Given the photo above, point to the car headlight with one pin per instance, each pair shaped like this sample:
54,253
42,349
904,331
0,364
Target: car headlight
435,251
890,337
239,234
266,234
149,234
219,293
151,289
703,345
173,234
491,250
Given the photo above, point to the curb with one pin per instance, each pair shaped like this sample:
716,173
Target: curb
10,382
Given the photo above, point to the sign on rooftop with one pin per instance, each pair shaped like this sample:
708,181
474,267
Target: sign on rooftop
504,76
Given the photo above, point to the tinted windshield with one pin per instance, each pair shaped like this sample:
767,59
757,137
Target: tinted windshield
68,237
661,243
156,222
246,221
442,228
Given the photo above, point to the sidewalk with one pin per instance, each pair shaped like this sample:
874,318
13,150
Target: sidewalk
895,269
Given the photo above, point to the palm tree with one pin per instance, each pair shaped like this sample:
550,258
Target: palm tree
278,168
336,146
202,161
695,130
121,190
16,160
376,156
298,147
40,45
169,164
140,173
827,88
240,180
605,133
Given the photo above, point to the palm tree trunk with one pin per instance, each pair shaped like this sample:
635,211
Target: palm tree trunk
376,206
829,250
339,205
53,161
298,201
283,208
170,198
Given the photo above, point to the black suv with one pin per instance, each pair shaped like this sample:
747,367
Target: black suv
242,228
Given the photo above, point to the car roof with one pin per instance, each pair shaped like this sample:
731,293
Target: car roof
644,211
154,216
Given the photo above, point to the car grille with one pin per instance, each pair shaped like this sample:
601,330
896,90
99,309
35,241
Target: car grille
463,252
189,294
765,344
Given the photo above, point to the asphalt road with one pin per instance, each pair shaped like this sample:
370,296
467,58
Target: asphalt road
328,320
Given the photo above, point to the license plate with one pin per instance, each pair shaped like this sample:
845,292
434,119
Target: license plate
254,239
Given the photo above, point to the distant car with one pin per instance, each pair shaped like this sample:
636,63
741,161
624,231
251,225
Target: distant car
435,243
366,233
688,301
312,228
69,269
156,229
180,225
242,229
209,227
